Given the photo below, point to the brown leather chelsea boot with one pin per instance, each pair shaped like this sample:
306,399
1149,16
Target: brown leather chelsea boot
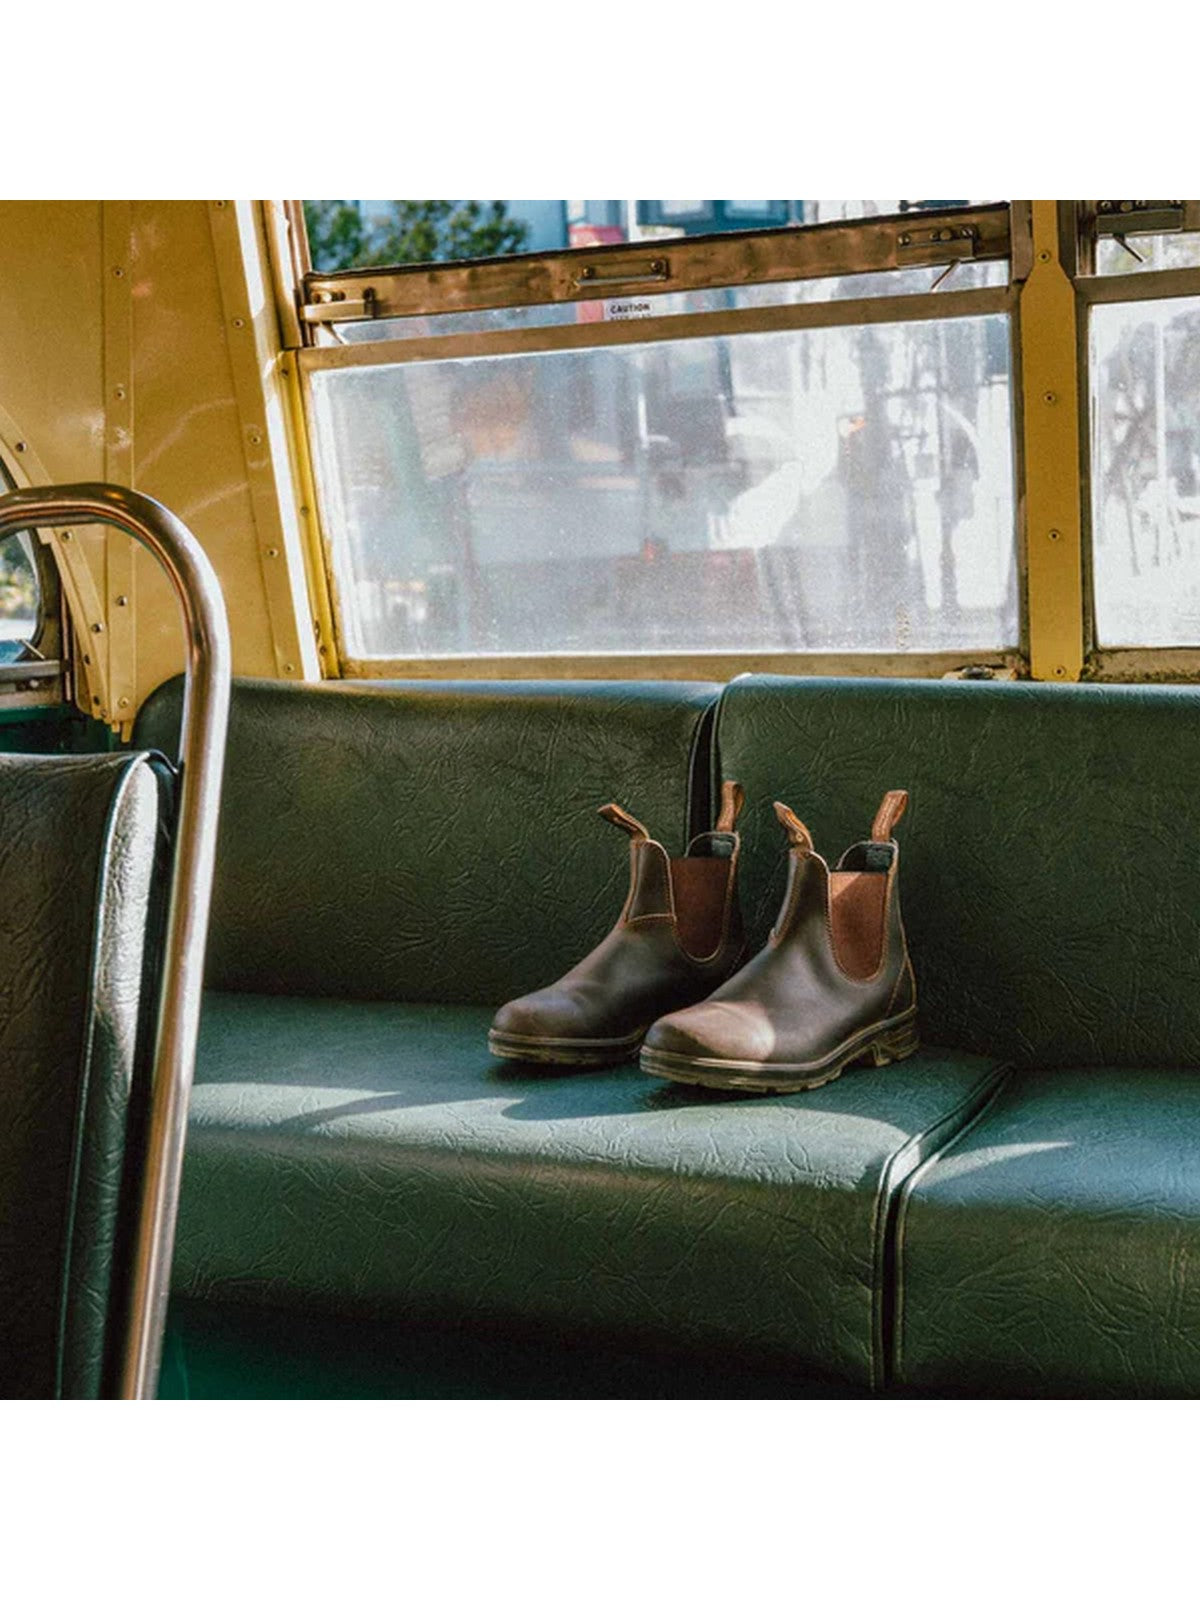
833,984
679,936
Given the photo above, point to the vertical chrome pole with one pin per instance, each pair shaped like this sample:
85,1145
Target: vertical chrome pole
202,757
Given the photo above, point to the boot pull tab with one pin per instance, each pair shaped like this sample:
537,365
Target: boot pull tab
891,809
620,818
797,833
733,798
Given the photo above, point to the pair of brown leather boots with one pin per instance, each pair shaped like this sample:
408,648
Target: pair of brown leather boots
833,984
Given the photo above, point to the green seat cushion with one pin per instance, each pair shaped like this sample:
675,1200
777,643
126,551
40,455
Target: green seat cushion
1054,1248
371,1157
434,841
1049,873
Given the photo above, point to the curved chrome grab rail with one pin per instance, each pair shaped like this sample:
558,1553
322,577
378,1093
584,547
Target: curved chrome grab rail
202,759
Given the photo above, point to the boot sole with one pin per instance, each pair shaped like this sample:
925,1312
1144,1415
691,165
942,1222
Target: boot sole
547,1051
882,1043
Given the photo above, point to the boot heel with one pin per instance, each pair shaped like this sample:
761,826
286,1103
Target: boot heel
895,1046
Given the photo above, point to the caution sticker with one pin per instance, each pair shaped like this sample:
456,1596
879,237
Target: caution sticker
627,310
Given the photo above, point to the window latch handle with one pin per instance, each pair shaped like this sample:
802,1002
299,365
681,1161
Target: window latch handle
608,274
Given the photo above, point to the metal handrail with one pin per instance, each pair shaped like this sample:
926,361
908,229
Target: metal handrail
202,758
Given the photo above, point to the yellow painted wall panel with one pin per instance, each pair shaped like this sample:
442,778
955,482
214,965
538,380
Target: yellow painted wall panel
51,378
188,442
68,275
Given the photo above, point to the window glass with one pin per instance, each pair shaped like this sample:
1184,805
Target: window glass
372,233
20,600
832,489
1159,252
1145,380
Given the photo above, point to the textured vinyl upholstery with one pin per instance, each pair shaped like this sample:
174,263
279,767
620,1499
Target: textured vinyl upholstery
1054,1249
432,841
349,1154
77,857
1013,1210
416,844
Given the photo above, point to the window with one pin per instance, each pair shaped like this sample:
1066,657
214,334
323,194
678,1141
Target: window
20,597
719,435
31,671
1137,236
1145,379
827,489
674,448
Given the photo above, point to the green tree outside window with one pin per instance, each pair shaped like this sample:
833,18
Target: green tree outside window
340,237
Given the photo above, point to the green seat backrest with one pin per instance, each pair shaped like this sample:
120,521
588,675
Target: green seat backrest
433,841
78,839
1050,860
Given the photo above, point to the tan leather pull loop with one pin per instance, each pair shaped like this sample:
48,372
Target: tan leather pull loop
733,798
620,818
797,833
891,809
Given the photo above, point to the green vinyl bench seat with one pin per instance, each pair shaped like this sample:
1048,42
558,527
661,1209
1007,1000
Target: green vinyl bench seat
398,859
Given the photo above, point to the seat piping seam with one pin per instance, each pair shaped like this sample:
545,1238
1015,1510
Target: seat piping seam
1001,1081
974,1101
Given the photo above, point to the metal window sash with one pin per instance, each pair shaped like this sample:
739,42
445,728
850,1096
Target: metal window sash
937,305
673,266
1174,283
1145,664
718,665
